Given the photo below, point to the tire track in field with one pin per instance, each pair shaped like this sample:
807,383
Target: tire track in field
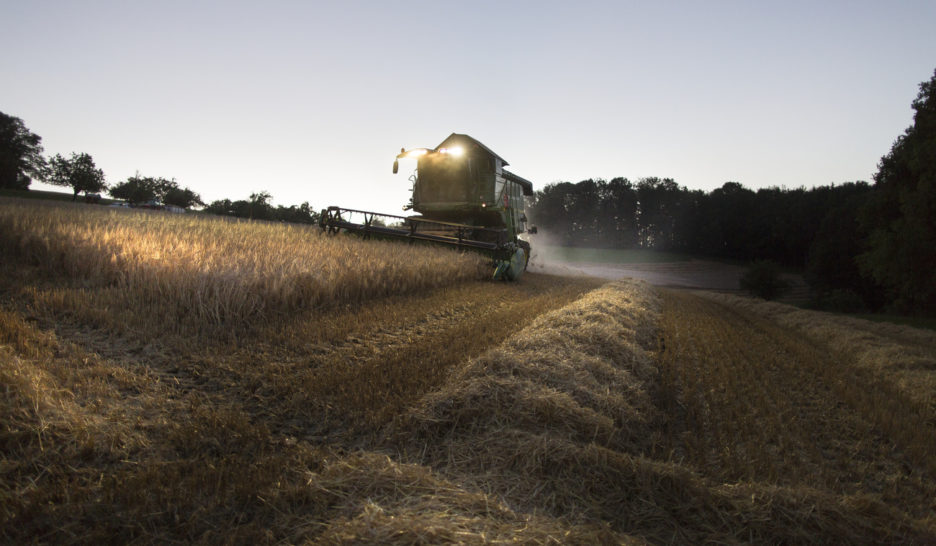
749,400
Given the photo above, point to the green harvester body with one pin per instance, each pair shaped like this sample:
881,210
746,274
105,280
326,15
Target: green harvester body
464,197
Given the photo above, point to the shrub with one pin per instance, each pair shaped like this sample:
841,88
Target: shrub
841,300
762,279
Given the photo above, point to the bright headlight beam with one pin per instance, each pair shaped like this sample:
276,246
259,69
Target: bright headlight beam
457,151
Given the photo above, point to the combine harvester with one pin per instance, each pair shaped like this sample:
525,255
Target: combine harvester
466,199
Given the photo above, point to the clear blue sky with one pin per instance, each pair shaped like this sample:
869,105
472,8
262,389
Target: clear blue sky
311,100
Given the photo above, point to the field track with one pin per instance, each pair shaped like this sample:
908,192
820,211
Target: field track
690,273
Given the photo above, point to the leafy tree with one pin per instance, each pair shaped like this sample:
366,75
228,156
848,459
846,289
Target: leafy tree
657,205
20,154
78,172
691,224
901,215
729,210
141,189
832,269
618,217
582,208
182,197
303,214
260,206
137,189
551,211
221,207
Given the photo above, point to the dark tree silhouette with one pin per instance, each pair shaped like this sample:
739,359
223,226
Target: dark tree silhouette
137,189
182,197
77,172
142,189
259,208
617,221
832,268
901,215
20,154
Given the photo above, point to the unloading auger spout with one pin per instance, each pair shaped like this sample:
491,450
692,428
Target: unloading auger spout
464,198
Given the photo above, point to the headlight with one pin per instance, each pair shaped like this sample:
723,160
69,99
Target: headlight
457,151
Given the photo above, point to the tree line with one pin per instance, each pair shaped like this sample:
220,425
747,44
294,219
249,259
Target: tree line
862,246
21,162
258,207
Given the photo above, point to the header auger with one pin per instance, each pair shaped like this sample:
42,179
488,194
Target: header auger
465,199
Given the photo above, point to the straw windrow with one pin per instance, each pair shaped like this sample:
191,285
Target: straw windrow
562,419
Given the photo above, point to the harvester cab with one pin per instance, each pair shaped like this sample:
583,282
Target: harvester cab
464,197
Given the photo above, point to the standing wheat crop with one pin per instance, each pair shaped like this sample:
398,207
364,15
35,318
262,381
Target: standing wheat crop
202,270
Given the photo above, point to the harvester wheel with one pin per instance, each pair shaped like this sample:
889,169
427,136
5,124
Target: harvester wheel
526,250
511,268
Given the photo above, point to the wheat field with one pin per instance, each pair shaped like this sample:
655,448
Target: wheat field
192,271
431,409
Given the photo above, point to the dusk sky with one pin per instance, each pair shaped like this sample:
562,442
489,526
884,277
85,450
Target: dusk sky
311,101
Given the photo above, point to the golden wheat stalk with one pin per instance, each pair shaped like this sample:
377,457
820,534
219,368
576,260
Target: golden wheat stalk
203,270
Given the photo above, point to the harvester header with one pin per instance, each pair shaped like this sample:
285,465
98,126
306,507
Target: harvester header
465,198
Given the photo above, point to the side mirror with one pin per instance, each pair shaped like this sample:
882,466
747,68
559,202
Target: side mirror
532,230
396,165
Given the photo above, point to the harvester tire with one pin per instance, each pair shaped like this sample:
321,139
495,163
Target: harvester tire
526,250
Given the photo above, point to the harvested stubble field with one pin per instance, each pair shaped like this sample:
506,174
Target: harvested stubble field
175,379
